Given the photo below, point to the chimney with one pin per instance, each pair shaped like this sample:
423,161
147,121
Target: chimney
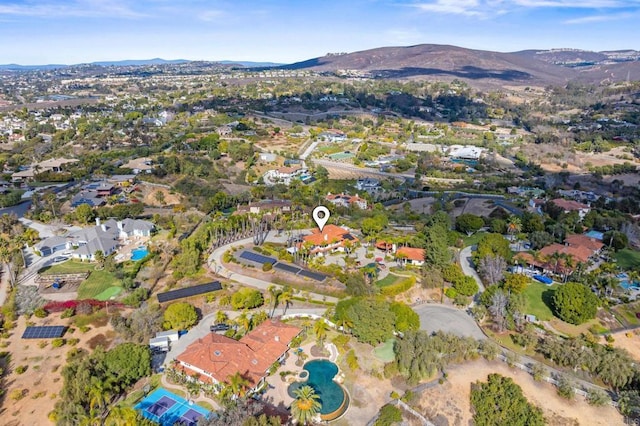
277,338
119,223
104,227
97,221
326,237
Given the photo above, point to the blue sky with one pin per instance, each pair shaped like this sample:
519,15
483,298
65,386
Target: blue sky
74,31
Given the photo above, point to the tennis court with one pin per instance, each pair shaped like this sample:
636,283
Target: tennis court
167,409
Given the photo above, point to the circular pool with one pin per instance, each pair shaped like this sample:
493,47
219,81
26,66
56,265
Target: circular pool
333,397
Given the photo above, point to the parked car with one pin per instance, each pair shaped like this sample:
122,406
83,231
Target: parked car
219,327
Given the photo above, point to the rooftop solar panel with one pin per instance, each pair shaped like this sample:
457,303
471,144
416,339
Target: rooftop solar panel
258,258
313,275
189,291
44,332
349,237
287,268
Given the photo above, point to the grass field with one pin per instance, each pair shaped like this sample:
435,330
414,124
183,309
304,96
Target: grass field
388,280
384,352
473,239
628,259
97,283
108,293
627,313
538,300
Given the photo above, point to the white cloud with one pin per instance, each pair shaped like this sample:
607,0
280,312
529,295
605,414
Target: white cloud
485,8
77,8
598,18
454,7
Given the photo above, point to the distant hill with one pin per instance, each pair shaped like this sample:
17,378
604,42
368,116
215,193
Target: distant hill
250,64
123,63
446,62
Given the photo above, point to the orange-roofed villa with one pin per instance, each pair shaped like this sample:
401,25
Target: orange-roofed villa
410,255
215,358
332,238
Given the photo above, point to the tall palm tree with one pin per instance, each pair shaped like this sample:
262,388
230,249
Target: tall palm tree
286,299
306,406
514,225
238,384
320,329
275,294
244,320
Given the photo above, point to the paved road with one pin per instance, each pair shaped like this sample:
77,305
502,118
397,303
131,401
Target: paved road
215,263
444,318
468,268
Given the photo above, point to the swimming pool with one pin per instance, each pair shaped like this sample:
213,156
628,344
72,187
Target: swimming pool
139,253
333,397
166,409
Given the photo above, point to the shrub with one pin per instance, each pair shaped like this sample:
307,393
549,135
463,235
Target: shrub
451,293
21,369
56,343
17,394
352,360
399,287
40,313
597,397
389,414
68,313
247,298
266,267
84,328
565,388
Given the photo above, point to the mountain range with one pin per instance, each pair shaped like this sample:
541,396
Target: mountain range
444,62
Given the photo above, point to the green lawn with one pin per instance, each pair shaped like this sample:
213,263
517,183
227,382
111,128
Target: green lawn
97,283
108,293
538,300
384,352
68,267
388,280
628,259
473,239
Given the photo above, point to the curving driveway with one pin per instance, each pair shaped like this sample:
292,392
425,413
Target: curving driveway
444,318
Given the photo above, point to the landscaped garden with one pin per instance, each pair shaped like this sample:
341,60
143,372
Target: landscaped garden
101,284
538,298
628,259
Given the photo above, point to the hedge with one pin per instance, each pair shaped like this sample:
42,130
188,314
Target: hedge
399,287
73,304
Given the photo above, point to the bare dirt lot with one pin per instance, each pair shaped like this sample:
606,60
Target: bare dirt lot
42,381
449,404
629,340
151,197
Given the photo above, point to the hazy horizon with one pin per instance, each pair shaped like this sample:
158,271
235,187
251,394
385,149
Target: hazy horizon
285,31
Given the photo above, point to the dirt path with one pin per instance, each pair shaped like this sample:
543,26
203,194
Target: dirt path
449,403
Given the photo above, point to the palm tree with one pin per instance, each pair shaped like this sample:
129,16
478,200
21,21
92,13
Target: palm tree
244,321
320,329
275,293
514,225
306,405
285,298
121,416
238,384
221,317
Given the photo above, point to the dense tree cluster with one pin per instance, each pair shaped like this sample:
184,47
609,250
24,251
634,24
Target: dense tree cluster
92,381
575,303
500,401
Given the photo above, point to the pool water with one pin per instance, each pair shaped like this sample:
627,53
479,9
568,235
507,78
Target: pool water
321,374
139,253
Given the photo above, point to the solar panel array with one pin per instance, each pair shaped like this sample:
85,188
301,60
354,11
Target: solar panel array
44,332
189,291
313,275
257,258
287,268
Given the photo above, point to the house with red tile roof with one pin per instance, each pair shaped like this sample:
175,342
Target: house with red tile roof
570,206
346,200
215,358
410,255
332,238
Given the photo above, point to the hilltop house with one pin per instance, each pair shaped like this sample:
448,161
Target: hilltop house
214,358
569,206
346,200
410,255
332,238
105,237
55,165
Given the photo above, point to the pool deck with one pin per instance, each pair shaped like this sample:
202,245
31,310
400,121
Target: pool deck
278,389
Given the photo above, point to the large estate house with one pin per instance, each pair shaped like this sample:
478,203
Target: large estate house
214,358
332,238
104,237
